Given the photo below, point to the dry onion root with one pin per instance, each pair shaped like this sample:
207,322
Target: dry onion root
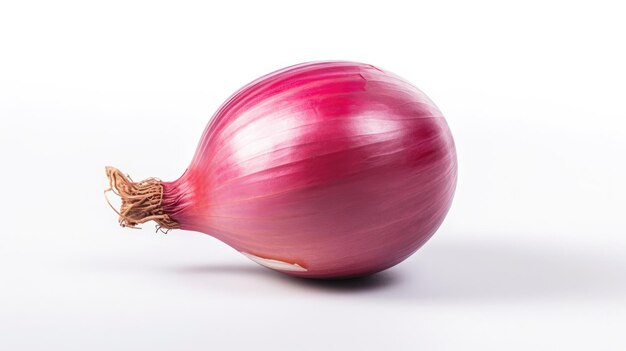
141,201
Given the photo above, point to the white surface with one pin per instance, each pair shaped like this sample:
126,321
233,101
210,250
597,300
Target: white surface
532,255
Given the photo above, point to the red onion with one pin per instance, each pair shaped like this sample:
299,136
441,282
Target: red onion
319,170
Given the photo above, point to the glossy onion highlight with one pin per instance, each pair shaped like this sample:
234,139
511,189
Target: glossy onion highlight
320,170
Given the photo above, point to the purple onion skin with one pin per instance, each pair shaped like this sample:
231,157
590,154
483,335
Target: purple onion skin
340,168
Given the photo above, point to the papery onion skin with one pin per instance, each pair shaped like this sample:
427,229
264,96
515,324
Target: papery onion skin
339,167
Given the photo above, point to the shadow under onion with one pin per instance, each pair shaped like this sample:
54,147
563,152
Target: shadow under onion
460,272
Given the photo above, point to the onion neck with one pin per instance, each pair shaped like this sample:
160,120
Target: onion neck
179,199
147,200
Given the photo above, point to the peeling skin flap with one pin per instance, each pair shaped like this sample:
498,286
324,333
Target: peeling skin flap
275,264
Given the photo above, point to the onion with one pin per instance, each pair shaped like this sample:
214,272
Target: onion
319,170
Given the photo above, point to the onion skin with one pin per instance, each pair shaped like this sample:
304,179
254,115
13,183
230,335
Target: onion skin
337,167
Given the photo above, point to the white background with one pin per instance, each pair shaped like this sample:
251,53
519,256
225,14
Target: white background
531,256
